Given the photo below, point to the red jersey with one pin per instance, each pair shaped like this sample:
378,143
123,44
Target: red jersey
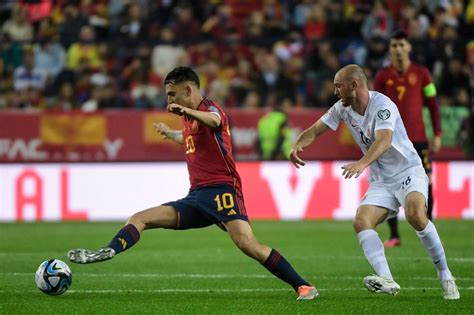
209,151
406,90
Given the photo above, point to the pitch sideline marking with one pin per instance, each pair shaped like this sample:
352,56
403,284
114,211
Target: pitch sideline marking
221,290
213,276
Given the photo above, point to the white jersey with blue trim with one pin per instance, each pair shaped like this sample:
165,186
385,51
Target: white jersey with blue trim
381,113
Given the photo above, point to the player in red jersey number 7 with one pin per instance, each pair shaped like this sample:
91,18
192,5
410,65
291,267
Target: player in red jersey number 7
409,86
215,196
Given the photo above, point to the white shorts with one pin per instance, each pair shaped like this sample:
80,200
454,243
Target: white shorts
392,195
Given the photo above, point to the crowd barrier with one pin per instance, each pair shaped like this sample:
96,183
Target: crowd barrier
272,190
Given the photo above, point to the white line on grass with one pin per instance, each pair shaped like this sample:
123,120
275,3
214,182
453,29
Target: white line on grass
212,276
225,290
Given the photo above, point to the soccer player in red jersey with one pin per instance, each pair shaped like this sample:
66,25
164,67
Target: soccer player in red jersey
215,196
409,85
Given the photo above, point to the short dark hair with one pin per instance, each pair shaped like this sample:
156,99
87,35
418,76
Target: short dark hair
182,74
399,35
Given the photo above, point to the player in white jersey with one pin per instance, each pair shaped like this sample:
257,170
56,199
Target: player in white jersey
396,175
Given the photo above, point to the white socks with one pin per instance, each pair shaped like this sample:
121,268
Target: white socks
430,239
374,252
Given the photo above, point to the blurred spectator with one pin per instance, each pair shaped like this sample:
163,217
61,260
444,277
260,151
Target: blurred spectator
379,23
10,52
144,85
274,19
376,56
254,26
50,57
272,80
454,84
65,99
72,24
252,101
186,28
133,27
241,82
84,51
104,95
301,12
29,81
323,65
448,46
166,55
274,135
218,25
17,27
315,26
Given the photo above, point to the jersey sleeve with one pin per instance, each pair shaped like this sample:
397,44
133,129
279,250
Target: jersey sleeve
386,116
429,93
214,110
332,117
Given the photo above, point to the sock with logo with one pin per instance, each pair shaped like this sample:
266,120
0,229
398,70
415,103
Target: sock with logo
430,239
125,238
281,268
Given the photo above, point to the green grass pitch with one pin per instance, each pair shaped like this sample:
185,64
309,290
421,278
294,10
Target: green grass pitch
201,271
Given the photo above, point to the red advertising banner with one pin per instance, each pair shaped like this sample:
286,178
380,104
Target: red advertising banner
272,190
130,136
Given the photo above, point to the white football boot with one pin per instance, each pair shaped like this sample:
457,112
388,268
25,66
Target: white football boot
87,256
450,290
379,284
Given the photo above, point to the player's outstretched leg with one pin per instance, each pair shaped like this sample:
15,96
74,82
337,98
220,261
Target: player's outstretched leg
242,235
129,235
426,231
123,240
394,239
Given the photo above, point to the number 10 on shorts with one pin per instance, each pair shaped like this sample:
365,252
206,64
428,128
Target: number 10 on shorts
224,201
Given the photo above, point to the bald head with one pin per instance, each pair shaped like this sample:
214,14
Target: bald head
353,72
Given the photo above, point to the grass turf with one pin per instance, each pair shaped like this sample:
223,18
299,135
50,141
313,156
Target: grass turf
201,271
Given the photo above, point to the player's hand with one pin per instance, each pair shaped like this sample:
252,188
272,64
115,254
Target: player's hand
177,109
352,169
162,129
294,158
435,144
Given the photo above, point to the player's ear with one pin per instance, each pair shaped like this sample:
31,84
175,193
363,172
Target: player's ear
189,90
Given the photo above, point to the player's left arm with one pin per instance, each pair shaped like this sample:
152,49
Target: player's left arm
429,94
210,119
383,141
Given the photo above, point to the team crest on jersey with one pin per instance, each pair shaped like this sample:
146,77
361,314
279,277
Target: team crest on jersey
389,82
383,114
412,78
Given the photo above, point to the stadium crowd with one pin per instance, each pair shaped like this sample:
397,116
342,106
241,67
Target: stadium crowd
90,55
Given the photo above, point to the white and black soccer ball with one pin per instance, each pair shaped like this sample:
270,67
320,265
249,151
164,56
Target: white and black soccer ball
53,277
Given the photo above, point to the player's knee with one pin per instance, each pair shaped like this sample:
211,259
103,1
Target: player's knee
135,219
416,216
361,224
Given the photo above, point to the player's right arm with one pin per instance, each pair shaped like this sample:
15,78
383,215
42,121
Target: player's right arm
168,133
305,139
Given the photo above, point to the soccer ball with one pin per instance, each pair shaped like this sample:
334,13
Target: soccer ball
53,277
